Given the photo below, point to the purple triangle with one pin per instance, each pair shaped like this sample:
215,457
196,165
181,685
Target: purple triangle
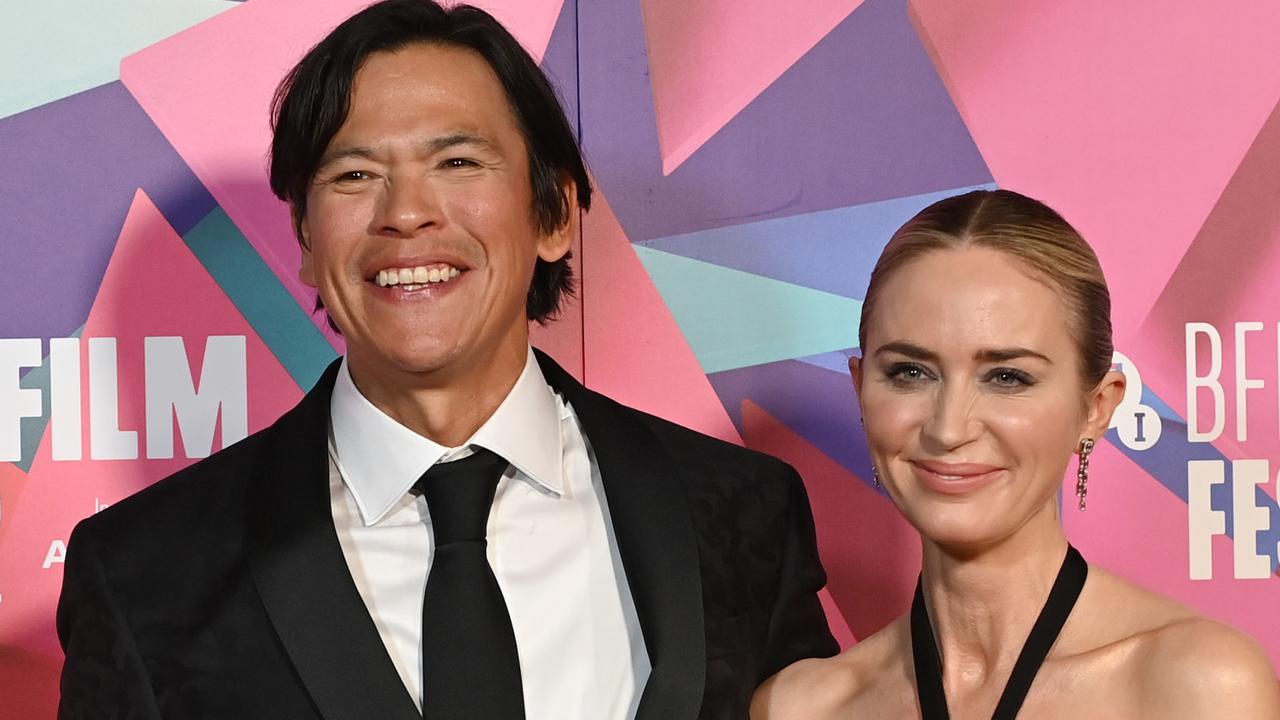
73,167
832,250
560,61
816,403
862,117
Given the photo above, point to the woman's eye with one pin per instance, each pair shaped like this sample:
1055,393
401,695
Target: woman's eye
1009,378
906,373
459,163
353,176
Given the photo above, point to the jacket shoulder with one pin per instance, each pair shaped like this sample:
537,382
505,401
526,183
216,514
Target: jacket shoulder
206,496
698,450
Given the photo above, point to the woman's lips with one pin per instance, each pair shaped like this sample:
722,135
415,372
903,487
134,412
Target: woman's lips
954,478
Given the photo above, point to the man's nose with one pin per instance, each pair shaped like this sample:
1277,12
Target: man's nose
408,207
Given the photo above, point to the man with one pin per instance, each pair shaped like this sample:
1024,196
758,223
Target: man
615,565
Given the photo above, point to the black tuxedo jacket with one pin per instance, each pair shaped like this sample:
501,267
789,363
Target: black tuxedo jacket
222,590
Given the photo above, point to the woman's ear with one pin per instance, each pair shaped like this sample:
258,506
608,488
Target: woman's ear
1102,403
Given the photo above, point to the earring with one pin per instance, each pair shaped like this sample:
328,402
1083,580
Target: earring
875,476
1082,473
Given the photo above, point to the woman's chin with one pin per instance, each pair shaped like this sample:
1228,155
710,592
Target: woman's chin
962,528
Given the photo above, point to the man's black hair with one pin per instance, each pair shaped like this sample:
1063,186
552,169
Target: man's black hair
313,100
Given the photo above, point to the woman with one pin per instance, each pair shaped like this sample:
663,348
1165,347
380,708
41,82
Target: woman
986,338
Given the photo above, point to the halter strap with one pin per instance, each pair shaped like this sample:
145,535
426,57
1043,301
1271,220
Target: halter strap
1057,608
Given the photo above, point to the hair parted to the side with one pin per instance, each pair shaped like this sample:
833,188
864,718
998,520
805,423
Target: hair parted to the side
312,102
1025,229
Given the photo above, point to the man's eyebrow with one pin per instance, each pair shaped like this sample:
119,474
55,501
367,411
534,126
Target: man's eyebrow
915,352
342,153
445,142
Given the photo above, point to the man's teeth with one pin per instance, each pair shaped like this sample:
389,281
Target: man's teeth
414,277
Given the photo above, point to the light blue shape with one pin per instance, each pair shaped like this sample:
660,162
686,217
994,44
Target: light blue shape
832,250
837,362
733,319
258,294
50,49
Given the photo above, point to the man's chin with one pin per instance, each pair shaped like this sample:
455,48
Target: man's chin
415,359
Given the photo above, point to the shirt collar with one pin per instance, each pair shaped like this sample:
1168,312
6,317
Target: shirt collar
380,459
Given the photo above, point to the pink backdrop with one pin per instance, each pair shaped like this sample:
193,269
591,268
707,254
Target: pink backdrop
751,162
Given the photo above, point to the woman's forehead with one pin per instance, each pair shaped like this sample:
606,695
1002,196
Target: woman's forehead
970,297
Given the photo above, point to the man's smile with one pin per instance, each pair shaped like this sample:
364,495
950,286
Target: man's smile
416,277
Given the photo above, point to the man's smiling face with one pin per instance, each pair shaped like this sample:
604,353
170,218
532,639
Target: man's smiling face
419,232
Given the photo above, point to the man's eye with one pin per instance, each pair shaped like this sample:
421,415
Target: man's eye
459,163
353,176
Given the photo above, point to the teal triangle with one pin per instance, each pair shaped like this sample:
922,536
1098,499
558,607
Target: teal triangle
260,296
733,319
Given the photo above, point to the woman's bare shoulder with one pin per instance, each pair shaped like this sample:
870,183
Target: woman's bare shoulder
1184,664
819,688
806,689
1122,609
1197,667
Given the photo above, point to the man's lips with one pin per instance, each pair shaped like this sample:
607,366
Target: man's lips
417,283
416,275
954,478
388,263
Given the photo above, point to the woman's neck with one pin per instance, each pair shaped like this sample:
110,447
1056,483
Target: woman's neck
982,603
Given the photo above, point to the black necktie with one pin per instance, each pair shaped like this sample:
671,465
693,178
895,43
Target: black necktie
470,669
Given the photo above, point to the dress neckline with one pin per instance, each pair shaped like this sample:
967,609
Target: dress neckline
1057,608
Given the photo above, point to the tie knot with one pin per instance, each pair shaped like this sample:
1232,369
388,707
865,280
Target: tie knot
459,495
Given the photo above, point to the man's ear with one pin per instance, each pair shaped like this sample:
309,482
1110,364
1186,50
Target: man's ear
554,245
1102,403
307,271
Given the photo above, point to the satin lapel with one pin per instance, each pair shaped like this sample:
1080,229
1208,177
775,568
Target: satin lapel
303,578
652,524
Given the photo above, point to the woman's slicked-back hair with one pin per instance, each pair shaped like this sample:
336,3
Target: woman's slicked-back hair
313,100
1025,229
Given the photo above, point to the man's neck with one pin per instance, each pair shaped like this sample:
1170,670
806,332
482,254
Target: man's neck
445,410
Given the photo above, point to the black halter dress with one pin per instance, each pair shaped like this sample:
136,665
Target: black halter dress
924,650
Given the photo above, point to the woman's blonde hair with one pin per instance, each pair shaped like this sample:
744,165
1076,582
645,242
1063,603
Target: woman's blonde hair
1025,229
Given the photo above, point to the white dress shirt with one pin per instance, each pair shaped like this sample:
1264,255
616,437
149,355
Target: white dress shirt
551,546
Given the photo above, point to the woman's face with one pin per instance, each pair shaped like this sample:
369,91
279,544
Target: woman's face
971,395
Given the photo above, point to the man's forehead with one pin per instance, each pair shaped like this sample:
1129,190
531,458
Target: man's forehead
427,64
448,90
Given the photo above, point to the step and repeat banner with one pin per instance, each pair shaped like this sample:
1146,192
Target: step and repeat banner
752,158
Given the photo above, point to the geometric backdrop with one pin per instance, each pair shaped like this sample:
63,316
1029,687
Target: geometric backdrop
751,161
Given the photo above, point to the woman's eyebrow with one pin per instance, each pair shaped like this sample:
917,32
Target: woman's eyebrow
916,352
1013,353
911,350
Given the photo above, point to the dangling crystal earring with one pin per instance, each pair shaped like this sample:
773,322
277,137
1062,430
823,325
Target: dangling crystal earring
1082,473
875,474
